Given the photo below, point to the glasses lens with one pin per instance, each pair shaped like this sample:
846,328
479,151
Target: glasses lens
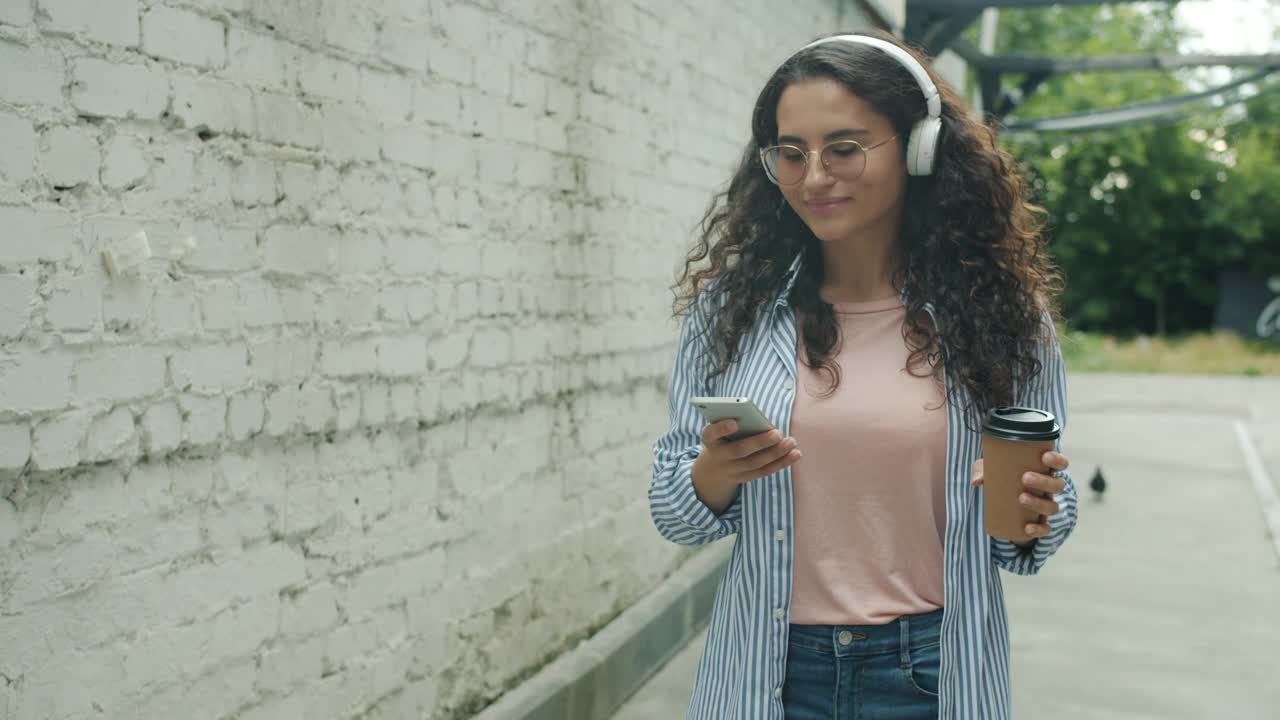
844,159
785,164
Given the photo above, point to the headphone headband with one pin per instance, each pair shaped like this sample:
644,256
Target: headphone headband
931,96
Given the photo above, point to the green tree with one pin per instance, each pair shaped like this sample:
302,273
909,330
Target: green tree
1139,216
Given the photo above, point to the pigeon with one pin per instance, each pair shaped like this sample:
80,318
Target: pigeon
1098,484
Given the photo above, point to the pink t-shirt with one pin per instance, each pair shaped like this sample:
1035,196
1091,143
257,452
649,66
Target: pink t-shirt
869,502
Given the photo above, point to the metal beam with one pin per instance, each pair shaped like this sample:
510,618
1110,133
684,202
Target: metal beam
1010,102
941,33
1031,64
1116,117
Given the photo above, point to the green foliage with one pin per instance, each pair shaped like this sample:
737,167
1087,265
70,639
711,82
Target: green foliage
1142,218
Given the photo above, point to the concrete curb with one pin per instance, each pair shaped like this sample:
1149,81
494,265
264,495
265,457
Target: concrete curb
591,681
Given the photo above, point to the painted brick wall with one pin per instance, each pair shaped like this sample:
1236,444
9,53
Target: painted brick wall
369,435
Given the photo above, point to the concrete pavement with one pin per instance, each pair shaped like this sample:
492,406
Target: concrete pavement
1166,601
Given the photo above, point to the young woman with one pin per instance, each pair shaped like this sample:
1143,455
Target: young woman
875,284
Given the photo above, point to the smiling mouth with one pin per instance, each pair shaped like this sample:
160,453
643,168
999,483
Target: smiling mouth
827,205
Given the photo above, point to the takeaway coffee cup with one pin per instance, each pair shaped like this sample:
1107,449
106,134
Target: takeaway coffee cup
1013,441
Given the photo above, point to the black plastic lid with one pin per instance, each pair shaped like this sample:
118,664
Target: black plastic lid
1021,423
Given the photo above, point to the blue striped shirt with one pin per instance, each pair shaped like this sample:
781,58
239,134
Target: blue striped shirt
743,663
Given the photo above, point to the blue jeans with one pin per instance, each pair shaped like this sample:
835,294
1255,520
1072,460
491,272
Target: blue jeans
864,672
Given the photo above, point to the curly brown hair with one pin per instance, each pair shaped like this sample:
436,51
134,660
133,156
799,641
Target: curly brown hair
970,243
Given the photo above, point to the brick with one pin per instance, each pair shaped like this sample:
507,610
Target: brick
349,357
310,611
262,60
348,309
350,133
298,306
32,75
283,120
277,362
359,190
173,177
282,410
316,408
449,62
450,350
184,37
111,436
401,44
346,401
120,374
162,428
35,381
202,101
379,587
360,253
210,370
17,299
287,665
204,419
388,95
16,12
220,248
17,149
409,144
293,250
219,693
69,156
75,303
121,90
404,402
175,313
402,357
437,103
124,164
15,449
261,303
55,443
114,22
245,415
328,77
351,27
493,75
253,182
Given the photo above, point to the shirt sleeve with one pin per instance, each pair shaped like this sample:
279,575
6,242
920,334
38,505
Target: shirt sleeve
1048,391
674,506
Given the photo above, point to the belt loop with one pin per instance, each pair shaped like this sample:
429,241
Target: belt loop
904,641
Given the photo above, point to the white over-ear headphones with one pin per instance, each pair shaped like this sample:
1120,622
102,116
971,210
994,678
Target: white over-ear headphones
923,143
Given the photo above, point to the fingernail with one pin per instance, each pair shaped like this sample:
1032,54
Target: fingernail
1029,477
1024,499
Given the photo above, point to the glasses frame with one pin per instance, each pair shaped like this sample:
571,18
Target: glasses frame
826,166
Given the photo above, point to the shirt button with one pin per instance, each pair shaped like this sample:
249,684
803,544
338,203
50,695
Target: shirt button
780,535
777,693
845,637
790,385
778,614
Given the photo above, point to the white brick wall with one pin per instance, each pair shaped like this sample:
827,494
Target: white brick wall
378,444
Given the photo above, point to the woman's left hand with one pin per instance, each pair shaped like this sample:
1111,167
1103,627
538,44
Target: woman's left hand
1040,490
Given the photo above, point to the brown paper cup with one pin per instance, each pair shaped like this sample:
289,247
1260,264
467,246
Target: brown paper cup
1013,441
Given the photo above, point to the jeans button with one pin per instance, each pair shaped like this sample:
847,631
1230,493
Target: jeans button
845,637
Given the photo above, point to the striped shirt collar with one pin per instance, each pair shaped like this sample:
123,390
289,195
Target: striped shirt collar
789,281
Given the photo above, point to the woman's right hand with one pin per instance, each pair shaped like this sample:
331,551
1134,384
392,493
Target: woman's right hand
725,464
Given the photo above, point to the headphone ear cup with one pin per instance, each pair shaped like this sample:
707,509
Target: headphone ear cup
923,146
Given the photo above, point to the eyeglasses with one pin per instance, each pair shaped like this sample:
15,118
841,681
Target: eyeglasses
843,159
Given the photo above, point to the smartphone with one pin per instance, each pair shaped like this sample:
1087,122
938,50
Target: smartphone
750,420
